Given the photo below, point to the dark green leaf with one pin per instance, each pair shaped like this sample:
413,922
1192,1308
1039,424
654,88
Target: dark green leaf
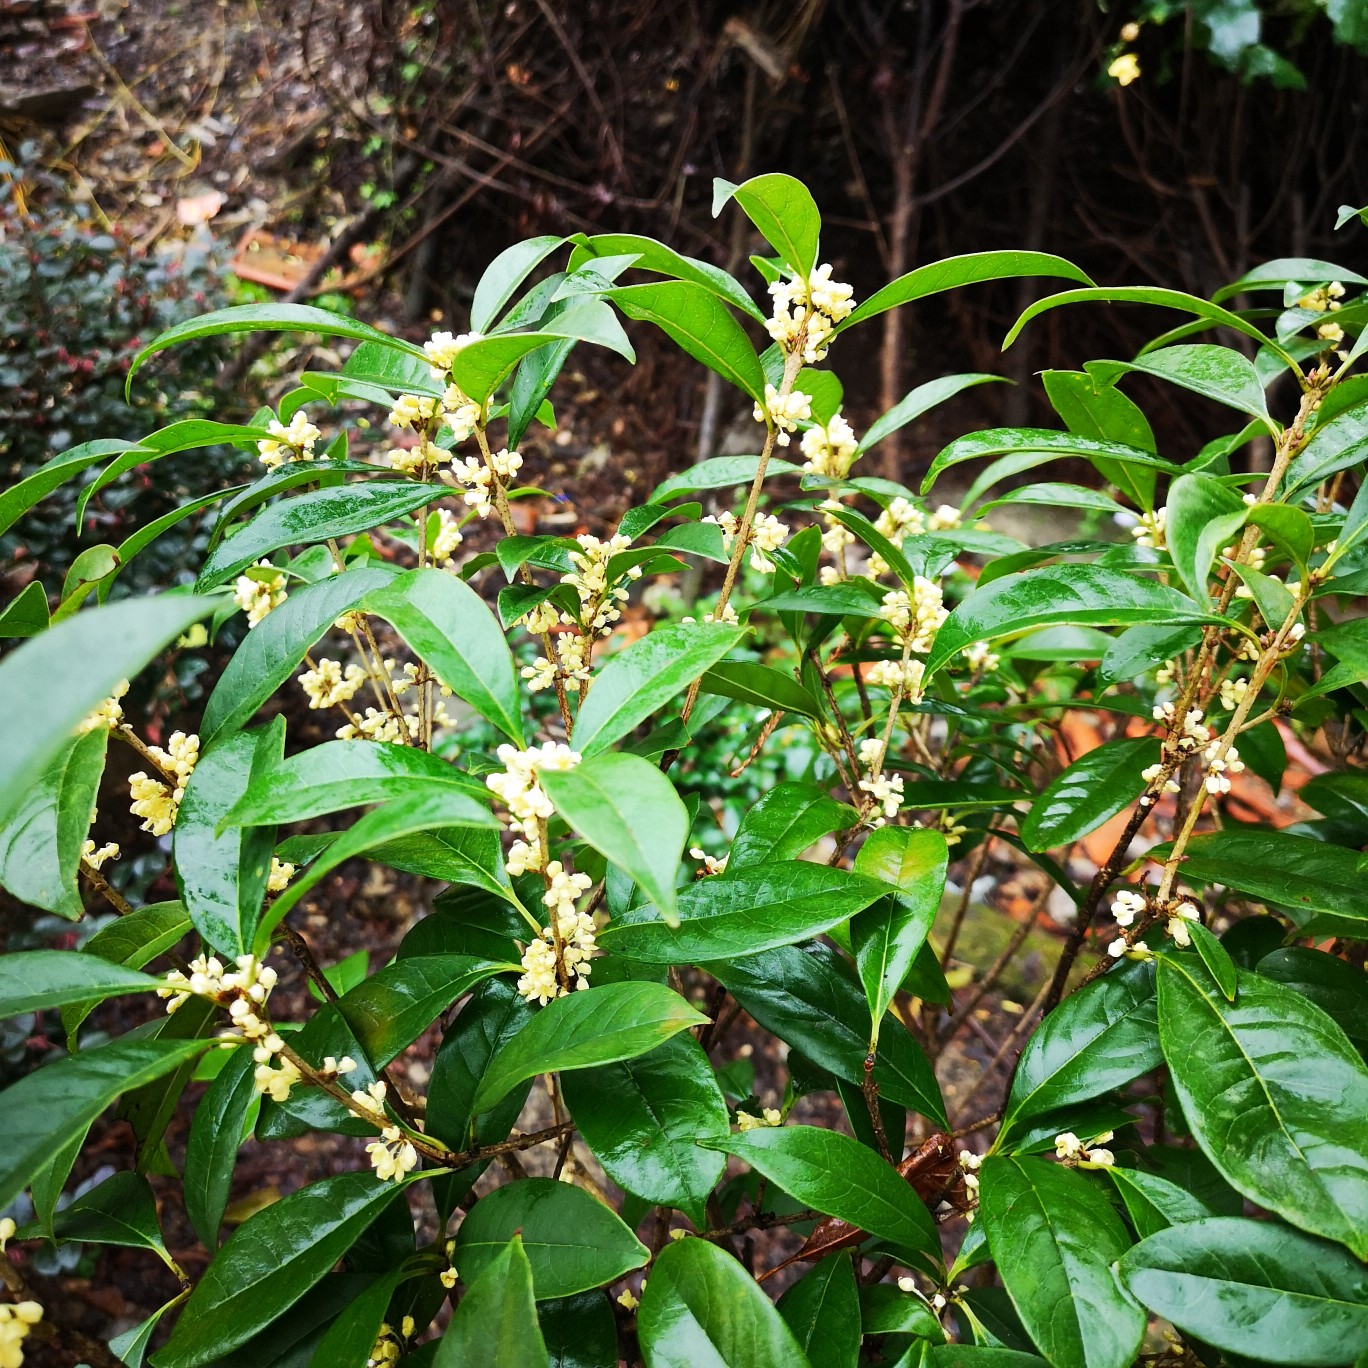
823,1310
1054,1237
1203,515
1255,1289
211,1150
31,980
573,1241
26,615
1154,1203
1274,1094
1214,372
641,1118
504,274
788,820
762,686
1338,988
1093,789
580,1332
119,1211
1216,958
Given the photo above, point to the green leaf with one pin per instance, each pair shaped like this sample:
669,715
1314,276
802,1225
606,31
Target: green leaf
311,519
1216,958
391,1009
719,472
1101,412
1080,595
1254,1289
823,1310
955,271
783,209
573,1241
40,848
344,774
1138,650
44,699
391,822
1099,1038
1319,884
788,820
52,1105
641,1118
1271,275
697,321
638,681
701,1309
754,909
1214,372
270,1262
130,1347
26,615
655,256
1029,447
918,401
31,980
1093,789
608,1023
211,1149
271,651
1203,515
761,686
267,318
222,879
501,278
630,813
888,935
840,1177
809,999
119,1211
20,497
1274,1094
1056,495
1155,1203
1338,988
1213,314
1054,1237
1338,443
348,1341
496,1321
468,855
450,627
580,1332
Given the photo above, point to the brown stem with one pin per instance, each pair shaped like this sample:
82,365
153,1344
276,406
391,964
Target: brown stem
101,885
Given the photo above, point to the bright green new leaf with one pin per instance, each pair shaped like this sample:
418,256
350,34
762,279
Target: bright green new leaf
503,275
784,211
66,465
573,1241
1217,373
1203,515
918,401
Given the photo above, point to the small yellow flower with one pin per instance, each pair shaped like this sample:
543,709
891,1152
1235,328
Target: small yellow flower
1125,69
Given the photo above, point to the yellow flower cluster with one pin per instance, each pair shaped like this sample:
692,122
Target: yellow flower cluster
260,593
158,803
784,412
807,311
576,931
293,443
16,1321
525,799
328,684
829,450
109,714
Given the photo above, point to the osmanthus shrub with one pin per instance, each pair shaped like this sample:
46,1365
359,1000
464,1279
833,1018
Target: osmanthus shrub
1179,1169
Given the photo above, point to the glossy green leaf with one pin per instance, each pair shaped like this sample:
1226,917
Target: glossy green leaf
823,1310
1054,495
1155,1203
762,686
66,465
608,1023
1099,1038
451,628
343,774
1054,1237
1218,373
311,519
211,1149
1079,595
501,278
348,1341
757,908
840,1177
393,821
1093,789
496,1321
270,1262
701,1309
788,820
26,614
888,935
810,999
629,812
573,1241
1274,1094
1212,314
44,700
40,848
119,1211
1338,988
1216,958
1254,1289
130,1347
643,1117
580,1332
272,650
1044,444
1138,650
719,472
696,320
391,1009
643,678
1203,515
1319,884
469,855
955,271
48,1107
267,318
783,209
655,256
1339,442
918,401
31,980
